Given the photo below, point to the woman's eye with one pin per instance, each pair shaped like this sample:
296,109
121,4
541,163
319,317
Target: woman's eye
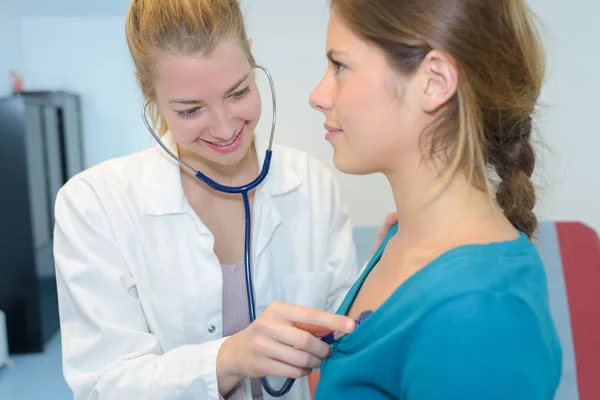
241,93
339,67
336,65
188,113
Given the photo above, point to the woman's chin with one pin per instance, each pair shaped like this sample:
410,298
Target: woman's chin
345,166
348,166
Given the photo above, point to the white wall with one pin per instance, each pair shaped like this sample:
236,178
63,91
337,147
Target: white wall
570,108
89,56
63,8
10,49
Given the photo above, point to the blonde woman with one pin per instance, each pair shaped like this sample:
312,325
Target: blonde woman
150,271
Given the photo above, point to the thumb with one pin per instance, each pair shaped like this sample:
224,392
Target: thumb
384,229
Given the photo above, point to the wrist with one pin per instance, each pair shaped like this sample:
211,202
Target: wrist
228,371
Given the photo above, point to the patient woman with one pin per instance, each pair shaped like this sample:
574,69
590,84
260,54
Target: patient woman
438,95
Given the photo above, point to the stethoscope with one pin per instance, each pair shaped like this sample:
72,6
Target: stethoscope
243,190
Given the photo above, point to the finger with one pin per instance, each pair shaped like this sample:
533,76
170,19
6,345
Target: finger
290,336
384,229
278,368
314,330
291,314
289,355
388,222
392,218
302,340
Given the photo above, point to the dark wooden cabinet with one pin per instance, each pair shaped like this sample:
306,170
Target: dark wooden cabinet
40,149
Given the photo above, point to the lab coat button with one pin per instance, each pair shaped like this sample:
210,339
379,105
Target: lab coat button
211,329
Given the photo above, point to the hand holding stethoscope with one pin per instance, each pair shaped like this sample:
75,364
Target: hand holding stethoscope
274,345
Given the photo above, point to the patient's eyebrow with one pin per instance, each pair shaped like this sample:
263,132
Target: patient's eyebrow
331,54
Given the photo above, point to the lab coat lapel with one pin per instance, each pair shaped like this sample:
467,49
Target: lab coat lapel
268,219
281,179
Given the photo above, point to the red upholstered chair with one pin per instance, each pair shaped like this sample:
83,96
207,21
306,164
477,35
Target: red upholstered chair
571,255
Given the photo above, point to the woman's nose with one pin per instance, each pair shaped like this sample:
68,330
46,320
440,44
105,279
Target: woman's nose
320,99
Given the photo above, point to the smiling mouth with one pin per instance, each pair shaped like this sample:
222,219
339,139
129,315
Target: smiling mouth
227,143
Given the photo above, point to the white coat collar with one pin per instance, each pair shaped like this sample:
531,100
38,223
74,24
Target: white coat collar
163,192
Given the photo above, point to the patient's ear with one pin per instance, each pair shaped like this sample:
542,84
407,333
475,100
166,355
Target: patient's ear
439,80
250,43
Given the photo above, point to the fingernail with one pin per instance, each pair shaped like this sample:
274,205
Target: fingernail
349,325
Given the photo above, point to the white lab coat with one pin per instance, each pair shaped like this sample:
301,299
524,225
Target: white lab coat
140,287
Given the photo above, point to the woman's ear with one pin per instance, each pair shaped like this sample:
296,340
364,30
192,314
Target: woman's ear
440,80
250,43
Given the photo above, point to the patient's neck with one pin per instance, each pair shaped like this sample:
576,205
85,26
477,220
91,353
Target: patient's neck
432,212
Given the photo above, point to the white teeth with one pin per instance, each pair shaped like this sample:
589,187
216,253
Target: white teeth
228,142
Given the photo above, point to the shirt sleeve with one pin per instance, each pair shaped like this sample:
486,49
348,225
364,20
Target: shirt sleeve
108,350
478,346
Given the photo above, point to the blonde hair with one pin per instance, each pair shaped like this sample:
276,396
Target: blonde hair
500,65
158,28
